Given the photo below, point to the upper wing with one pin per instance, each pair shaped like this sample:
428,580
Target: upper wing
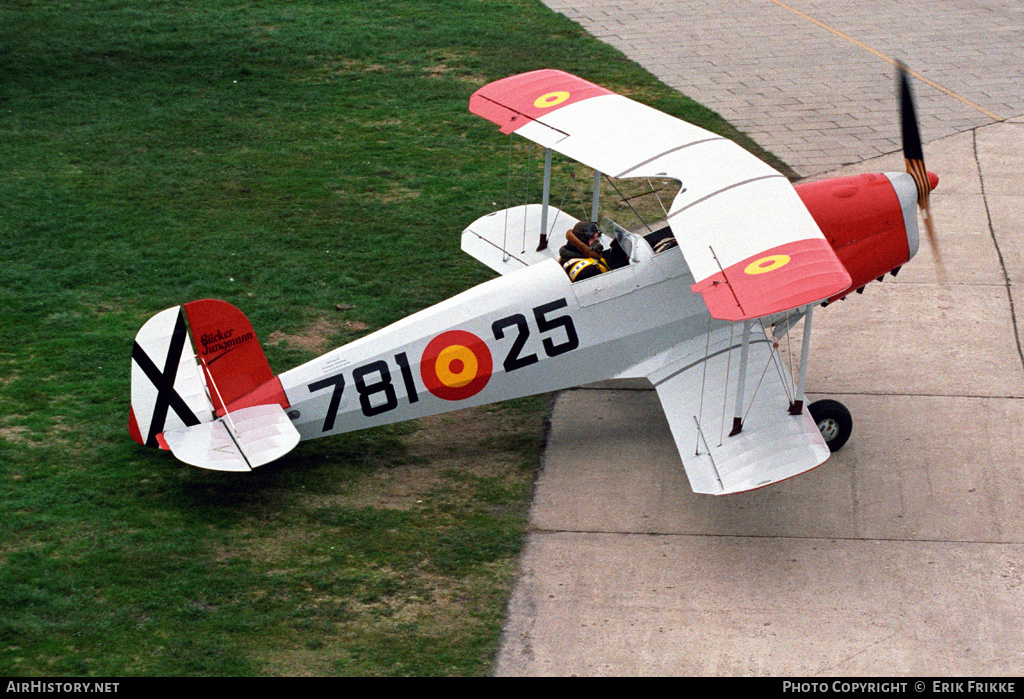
773,445
749,241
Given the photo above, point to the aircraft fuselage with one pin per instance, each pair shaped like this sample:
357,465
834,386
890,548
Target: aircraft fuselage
524,333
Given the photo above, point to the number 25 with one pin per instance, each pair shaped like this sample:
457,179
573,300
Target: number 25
515,359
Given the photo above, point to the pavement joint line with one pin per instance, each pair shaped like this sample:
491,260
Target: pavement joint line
788,537
813,392
890,60
879,394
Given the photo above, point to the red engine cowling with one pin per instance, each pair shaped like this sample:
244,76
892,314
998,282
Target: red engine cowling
870,221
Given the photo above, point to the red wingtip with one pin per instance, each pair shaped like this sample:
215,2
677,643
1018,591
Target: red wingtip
775,280
519,99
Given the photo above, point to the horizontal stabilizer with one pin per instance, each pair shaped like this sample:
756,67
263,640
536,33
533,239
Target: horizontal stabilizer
241,441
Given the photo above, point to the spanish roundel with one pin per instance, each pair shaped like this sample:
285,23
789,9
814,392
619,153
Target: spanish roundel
456,365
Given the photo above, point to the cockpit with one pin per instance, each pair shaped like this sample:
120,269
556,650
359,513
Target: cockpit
591,249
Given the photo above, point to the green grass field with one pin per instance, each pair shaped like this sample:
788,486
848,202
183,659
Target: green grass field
312,163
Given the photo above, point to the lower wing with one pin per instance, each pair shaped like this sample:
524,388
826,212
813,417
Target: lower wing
698,392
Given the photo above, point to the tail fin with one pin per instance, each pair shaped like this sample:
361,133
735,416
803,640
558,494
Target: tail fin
176,389
168,391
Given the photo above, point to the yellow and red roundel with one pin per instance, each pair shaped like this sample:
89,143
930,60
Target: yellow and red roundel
767,264
456,365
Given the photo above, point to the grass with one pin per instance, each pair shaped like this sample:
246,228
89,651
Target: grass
312,163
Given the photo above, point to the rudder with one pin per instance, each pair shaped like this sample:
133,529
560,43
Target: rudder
229,352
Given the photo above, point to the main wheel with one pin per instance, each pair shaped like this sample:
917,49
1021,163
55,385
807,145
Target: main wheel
834,421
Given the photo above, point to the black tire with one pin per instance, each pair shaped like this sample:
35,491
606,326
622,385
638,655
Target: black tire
834,421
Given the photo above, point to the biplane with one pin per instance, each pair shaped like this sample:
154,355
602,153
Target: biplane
695,305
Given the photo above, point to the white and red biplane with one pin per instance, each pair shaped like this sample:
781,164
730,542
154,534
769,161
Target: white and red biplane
699,320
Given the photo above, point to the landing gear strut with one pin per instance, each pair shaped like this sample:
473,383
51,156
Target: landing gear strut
833,420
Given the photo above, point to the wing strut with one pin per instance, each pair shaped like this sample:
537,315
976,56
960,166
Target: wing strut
545,200
737,420
797,406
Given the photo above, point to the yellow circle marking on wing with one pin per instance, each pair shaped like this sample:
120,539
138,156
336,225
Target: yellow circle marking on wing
767,264
456,366
552,99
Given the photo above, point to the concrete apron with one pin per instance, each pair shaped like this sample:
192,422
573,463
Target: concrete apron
903,554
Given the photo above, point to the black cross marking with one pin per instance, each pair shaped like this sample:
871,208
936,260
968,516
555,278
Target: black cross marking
167,397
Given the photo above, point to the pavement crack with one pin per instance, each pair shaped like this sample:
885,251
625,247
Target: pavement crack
999,251
851,656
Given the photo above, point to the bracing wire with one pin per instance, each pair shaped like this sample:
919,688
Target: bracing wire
579,195
776,360
625,200
561,204
789,343
655,192
764,371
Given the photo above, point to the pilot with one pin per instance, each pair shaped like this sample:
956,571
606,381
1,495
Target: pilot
577,263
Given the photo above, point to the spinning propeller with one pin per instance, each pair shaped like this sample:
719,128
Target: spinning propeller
913,153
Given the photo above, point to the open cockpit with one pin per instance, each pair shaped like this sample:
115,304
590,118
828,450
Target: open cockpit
626,221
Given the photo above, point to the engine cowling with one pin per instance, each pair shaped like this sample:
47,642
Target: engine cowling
870,220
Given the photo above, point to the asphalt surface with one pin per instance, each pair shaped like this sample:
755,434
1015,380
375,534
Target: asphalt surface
904,553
